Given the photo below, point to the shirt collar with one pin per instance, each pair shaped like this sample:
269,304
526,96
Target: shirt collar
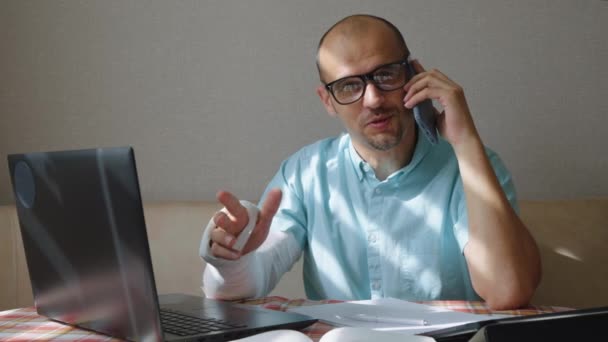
362,167
358,163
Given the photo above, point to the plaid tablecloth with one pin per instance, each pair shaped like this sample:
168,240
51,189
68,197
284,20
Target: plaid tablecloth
25,325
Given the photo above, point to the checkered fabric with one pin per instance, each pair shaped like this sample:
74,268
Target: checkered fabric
21,325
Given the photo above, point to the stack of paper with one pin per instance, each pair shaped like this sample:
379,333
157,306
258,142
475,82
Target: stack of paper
357,314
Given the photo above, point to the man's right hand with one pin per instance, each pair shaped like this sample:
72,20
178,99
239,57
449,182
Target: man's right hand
233,219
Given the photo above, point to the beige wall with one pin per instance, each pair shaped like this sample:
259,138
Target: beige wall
214,94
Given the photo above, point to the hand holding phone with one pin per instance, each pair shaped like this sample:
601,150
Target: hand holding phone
424,112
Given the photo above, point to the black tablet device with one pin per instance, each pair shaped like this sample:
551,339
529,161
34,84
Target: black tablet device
556,326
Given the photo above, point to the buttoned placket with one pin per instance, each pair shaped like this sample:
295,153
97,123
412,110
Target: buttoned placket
374,239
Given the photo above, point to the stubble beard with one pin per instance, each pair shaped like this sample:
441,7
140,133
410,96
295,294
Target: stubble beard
385,142
388,140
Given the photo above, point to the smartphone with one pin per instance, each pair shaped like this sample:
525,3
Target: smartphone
424,112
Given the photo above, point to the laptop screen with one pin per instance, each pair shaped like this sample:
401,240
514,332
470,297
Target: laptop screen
85,239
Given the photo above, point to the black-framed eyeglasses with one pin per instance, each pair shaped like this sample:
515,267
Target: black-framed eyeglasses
386,77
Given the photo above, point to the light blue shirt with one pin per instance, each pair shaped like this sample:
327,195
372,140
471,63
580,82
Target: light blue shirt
363,238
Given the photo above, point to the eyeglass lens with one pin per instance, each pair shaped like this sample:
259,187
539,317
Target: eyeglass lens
388,77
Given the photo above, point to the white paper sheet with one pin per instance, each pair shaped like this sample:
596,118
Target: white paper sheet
437,317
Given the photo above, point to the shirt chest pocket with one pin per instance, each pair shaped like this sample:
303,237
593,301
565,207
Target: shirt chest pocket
419,269
419,277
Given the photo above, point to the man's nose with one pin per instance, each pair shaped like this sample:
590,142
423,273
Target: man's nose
373,97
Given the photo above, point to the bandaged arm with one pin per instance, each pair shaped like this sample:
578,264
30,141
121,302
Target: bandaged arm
253,275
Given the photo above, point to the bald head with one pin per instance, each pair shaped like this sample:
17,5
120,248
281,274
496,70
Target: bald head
346,36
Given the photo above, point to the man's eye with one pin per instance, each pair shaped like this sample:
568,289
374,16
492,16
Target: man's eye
384,76
351,87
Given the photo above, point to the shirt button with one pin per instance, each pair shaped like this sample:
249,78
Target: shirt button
372,238
376,285
378,191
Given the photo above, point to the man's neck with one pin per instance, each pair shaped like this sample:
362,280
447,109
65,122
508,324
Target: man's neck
385,163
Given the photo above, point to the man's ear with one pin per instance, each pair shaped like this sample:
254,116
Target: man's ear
325,97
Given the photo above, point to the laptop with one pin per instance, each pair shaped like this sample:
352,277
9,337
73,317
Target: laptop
86,246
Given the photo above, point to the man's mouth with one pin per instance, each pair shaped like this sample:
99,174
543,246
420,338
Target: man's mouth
380,122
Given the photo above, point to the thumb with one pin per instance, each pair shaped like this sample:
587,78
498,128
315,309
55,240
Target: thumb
270,207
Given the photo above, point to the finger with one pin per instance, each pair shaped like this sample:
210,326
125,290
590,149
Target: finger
234,207
422,74
413,80
417,83
415,88
222,220
222,237
418,70
270,207
429,80
424,94
438,74
219,251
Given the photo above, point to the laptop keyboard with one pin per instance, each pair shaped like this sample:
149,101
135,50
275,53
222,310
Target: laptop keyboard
177,323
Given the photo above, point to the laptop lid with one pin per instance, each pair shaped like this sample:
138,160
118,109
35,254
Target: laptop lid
87,251
82,226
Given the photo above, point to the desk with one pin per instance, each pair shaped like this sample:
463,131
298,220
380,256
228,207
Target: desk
25,325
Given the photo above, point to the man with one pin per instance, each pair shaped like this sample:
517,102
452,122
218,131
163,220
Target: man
380,211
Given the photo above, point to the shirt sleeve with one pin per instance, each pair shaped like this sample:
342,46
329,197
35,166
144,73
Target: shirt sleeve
459,206
292,215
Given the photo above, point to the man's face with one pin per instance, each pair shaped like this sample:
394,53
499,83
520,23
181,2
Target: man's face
379,119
